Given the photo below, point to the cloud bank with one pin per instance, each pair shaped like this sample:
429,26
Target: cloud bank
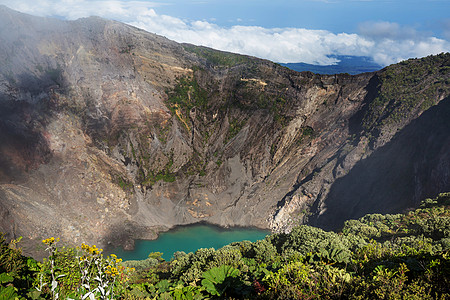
385,42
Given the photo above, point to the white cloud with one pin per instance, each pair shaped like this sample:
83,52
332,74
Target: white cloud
393,42
74,9
385,42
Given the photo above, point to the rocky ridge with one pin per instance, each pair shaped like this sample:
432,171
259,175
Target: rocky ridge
110,133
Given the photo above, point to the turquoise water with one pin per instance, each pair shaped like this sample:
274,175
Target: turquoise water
189,239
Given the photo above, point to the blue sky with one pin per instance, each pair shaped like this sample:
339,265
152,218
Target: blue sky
280,30
333,15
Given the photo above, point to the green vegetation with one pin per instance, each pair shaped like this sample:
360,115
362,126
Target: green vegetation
127,49
219,162
165,174
277,107
249,95
402,256
148,173
124,184
195,166
187,95
218,58
307,131
234,128
272,97
163,131
17,272
162,175
219,279
307,134
411,85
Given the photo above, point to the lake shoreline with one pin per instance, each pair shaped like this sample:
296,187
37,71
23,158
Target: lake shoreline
126,239
188,236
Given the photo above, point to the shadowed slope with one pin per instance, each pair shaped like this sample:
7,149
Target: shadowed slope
412,166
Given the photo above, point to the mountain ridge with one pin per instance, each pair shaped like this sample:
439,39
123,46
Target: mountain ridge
133,134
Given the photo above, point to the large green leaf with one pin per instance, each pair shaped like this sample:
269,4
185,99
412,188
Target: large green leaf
163,286
216,281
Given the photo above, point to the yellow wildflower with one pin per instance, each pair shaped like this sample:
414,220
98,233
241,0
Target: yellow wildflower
50,241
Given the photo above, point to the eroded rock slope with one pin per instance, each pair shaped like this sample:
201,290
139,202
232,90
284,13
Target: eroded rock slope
110,133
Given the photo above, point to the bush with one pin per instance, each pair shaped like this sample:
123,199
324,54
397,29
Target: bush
403,256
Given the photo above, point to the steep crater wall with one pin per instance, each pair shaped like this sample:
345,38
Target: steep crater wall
114,134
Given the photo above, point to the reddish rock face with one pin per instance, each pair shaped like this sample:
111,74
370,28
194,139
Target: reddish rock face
109,133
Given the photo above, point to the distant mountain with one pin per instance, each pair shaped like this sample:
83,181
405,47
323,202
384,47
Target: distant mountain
347,64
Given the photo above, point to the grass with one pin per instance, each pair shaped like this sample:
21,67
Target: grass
218,58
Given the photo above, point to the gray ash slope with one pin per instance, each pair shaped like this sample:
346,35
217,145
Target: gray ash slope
110,133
